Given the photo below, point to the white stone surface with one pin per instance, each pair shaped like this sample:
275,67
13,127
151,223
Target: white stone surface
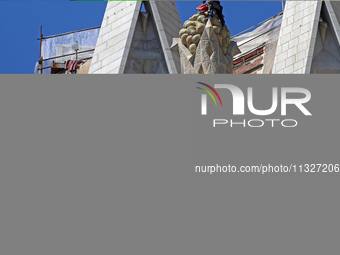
119,19
117,30
300,34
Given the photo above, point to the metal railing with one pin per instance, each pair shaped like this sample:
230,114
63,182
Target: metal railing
41,38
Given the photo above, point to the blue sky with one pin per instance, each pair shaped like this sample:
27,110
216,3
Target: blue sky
20,23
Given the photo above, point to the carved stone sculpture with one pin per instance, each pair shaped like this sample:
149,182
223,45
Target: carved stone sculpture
204,45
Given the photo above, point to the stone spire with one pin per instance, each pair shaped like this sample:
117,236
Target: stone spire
136,41
205,46
309,40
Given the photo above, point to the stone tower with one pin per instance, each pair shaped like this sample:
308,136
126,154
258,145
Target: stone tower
204,43
309,40
135,37
209,57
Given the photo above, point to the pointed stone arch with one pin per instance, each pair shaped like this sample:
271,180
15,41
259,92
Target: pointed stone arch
121,26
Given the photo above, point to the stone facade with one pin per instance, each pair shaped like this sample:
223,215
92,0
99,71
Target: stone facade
298,33
305,39
115,37
119,27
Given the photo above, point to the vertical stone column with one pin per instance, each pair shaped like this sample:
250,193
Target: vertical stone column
297,37
115,36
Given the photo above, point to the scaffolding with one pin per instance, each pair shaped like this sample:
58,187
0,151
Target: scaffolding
48,52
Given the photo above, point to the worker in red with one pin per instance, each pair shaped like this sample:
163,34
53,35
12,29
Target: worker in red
215,6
